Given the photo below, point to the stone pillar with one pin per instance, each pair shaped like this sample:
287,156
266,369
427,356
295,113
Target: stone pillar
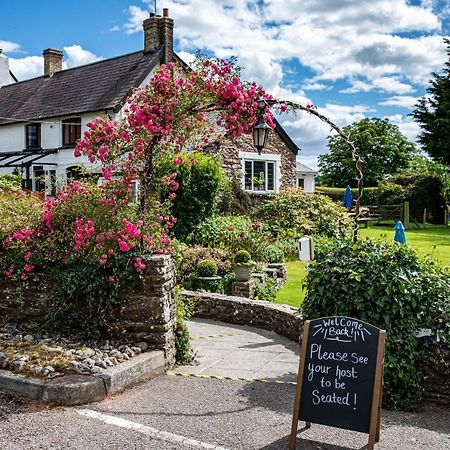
52,61
243,289
148,312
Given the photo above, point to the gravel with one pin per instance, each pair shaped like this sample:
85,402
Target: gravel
45,356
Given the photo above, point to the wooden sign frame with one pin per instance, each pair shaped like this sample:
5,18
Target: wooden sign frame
375,416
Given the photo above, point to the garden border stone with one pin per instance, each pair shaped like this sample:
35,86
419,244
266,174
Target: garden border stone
80,389
282,319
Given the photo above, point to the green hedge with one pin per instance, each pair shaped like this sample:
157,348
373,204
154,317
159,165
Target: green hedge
389,286
369,197
420,190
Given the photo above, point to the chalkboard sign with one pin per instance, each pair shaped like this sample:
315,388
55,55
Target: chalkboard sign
340,376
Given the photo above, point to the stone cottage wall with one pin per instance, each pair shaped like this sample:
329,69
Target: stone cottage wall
275,146
147,313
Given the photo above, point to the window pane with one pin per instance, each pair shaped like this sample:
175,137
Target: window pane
248,175
259,175
270,176
33,135
301,183
71,131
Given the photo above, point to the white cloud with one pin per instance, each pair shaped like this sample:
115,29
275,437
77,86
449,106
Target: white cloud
27,67
311,86
407,126
136,17
10,47
402,101
78,56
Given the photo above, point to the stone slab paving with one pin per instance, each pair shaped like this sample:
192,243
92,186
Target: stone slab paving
241,351
175,413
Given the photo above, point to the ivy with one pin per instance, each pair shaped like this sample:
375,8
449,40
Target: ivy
389,286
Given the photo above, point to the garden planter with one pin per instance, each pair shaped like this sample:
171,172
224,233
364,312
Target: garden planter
243,273
210,284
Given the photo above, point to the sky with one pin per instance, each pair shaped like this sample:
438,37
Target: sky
350,58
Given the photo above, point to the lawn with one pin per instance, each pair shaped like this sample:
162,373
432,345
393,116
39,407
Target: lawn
292,293
433,241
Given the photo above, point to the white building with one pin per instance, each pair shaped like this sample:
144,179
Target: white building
42,119
305,177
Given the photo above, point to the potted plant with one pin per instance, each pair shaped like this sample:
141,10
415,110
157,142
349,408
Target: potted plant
243,265
207,277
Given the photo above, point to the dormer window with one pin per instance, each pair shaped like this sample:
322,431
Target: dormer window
33,136
71,131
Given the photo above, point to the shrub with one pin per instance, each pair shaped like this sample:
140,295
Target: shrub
184,353
10,182
273,254
201,179
293,214
18,209
187,259
389,286
232,233
92,246
207,268
421,190
242,257
233,199
391,193
265,290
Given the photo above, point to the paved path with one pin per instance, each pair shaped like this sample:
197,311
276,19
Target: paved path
241,351
176,413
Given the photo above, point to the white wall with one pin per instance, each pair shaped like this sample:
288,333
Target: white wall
12,137
309,180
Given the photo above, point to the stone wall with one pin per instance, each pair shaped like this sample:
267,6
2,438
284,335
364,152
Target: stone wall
275,145
281,319
147,313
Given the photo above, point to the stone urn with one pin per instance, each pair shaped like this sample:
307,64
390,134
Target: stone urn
243,272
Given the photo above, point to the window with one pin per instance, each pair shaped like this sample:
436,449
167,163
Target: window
259,176
33,136
301,183
39,178
71,130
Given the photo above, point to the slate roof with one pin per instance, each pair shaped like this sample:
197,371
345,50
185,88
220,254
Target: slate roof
97,86
304,169
286,138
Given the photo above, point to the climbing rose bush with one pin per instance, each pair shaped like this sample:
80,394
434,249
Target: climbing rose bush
94,239
177,110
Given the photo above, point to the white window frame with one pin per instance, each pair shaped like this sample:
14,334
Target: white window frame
266,157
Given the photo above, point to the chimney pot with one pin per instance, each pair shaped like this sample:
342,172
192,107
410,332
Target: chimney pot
52,61
165,12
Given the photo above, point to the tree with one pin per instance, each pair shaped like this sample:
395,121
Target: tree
381,146
432,112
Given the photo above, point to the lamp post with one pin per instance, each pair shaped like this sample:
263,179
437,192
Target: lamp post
260,129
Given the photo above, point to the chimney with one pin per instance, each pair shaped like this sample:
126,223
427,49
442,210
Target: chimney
5,76
52,61
159,31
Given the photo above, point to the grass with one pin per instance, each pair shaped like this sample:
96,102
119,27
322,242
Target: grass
292,293
433,241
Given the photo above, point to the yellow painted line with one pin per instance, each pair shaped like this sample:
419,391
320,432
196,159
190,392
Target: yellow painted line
222,378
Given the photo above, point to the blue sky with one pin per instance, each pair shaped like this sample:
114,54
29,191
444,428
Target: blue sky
351,58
